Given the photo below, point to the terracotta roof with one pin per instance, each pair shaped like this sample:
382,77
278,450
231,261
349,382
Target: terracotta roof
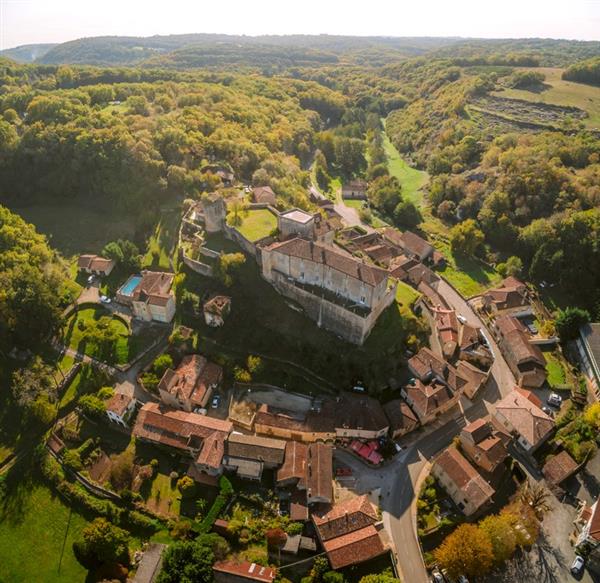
487,443
94,262
420,273
559,467
246,570
354,548
416,245
298,506
469,336
355,184
264,194
213,449
510,294
516,342
425,363
155,283
475,377
478,430
525,416
294,465
211,375
176,428
400,415
119,403
466,478
357,412
322,255
253,447
319,472
218,305
345,517
428,398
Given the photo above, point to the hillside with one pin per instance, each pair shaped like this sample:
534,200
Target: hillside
27,53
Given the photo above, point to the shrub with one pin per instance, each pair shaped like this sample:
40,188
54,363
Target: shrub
92,406
72,460
185,485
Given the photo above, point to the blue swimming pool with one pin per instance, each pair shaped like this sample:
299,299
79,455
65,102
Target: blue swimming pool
129,286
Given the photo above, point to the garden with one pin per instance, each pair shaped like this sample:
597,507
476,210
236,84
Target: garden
256,224
95,332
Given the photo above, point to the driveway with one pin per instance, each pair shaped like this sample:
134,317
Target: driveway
90,294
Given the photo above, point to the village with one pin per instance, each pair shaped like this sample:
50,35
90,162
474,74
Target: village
472,424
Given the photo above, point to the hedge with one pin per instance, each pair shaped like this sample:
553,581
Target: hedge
225,492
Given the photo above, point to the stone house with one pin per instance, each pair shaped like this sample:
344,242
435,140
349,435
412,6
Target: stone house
216,309
95,265
264,195
119,408
520,413
588,537
462,481
198,437
343,294
149,296
484,445
525,359
511,296
355,189
401,417
250,454
190,386
242,572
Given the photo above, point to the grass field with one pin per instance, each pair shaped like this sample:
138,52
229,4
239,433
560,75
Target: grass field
163,242
33,523
411,179
74,229
555,370
257,224
561,92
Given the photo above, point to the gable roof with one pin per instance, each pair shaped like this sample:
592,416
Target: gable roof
522,409
416,245
263,194
345,517
594,522
510,294
246,570
354,547
319,472
119,403
253,447
294,465
466,478
311,251
559,467
400,415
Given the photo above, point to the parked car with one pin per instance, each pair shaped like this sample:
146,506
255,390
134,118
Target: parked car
461,319
216,401
91,279
105,299
200,410
577,565
548,411
437,577
554,400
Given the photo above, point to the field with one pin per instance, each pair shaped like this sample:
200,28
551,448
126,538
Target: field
257,224
33,523
406,295
411,179
564,93
73,229
163,242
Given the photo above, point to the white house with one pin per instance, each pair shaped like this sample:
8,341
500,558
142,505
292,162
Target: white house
119,408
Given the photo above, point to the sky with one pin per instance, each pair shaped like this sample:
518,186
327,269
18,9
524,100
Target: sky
52,21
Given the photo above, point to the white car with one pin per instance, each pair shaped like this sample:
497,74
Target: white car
554,400
577,565
91,279
461,319
105,299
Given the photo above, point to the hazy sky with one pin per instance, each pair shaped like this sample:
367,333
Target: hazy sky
36,21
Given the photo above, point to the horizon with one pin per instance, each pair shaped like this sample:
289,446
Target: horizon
26,22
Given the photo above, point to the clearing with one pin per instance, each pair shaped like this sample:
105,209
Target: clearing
257,224
559,92
75,229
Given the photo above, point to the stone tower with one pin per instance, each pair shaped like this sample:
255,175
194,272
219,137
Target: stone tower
215,211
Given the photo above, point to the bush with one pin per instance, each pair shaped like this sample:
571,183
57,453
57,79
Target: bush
225,492
185,485
92,406
72,460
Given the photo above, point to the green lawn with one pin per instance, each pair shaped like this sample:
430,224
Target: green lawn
125,348
355,204
33,523
556,372
163,242
559,92
406,295
257,224
411,179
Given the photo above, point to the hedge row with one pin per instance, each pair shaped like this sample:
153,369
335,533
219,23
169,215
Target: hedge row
131,519
225,493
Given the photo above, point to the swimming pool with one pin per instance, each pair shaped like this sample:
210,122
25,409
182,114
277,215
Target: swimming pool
129,286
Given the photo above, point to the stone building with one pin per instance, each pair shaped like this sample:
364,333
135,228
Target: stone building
215,212
344,295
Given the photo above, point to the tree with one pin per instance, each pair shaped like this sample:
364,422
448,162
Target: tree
34,389
276,539
385,194
103,543
187,562
254,364
406,214
349,155
569,321
467,551
92,406
333,577
466,238
241,375
123,252
228,264
185,485
72,460
161,364
385,577
536,497
501,532
121,470
319,568
237,210
512,267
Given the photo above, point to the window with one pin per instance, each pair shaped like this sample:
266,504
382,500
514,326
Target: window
363,299
302,275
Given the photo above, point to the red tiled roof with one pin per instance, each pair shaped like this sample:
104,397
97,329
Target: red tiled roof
354,548
400,415
559,467
263,194
119,403
466,478
416,245
428,398
595,522
319,472
320,254
345,517
246,570
294,465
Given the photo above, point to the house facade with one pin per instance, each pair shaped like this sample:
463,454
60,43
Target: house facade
149,296
119,408
340,293
95,265
462,481
484,445
355,190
